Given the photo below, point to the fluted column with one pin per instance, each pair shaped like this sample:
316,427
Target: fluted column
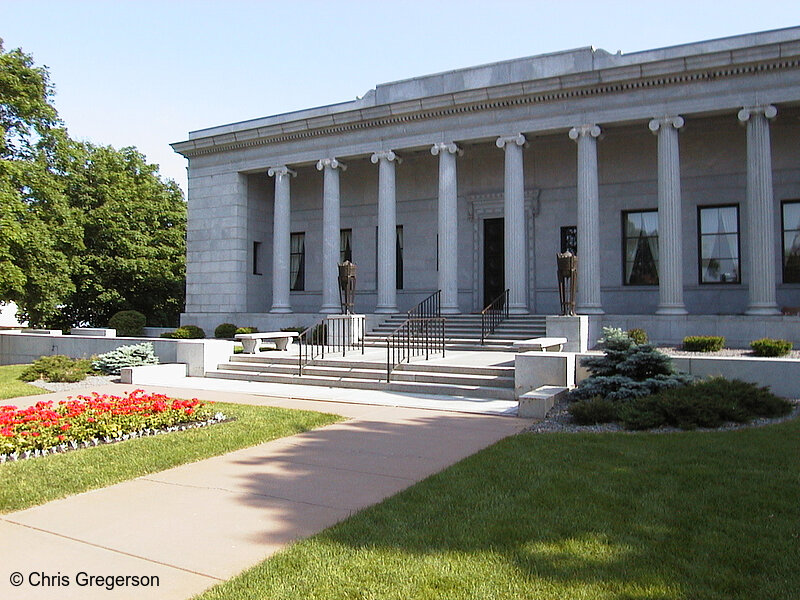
281,225
516,263
588,301
448,226
760,211
670,236
331,227
387,231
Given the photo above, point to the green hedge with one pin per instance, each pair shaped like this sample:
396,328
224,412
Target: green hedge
770,347
187,332
57,368
225,331
128,323
703,343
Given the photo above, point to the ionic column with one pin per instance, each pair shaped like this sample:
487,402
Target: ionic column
588,301
448,226
760,219
516,264
387,231
331,227
670,237
281,225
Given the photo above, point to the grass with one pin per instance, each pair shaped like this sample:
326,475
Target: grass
690,516
35,481
12,387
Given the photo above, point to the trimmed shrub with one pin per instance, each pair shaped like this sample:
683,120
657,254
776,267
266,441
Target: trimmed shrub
703,343
135,355
57,368
225,331
627,370
708,403
770,347
247,330
187,332
593,411
639,336
295,329
128,323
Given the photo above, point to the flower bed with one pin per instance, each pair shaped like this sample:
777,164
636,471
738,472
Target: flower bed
90,420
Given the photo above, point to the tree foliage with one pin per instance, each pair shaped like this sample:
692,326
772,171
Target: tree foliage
85,230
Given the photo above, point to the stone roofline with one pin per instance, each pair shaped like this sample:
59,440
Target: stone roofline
485,86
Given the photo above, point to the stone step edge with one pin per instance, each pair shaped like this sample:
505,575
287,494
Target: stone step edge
536,403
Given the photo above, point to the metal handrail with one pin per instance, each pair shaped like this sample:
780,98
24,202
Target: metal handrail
331,336
428,308
414,337
494,314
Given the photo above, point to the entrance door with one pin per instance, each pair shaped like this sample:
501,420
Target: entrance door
494,281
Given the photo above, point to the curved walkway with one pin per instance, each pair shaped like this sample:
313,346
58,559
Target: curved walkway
195,525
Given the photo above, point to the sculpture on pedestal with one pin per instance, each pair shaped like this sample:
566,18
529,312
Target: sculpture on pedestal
347,287
567,281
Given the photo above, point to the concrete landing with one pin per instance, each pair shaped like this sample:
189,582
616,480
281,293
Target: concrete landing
198,524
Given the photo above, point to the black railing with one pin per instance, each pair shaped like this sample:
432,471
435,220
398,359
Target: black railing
493,315
331,335
429,308
415,337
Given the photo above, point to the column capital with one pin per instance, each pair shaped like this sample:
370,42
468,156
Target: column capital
518,139
584,130
331,163
389,155
450,147
668,121
281,171
768,110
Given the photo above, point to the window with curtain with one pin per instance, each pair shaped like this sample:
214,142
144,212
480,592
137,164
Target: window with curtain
640,247
569,239
790,216
345,245
297,262
719,244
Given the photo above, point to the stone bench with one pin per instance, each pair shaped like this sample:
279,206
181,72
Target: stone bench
536,403
542,344
250,340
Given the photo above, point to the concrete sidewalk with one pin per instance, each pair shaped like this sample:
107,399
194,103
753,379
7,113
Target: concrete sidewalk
198,524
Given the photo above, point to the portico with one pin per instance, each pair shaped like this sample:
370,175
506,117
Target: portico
669,172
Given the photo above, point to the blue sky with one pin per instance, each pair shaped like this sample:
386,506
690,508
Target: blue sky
143,73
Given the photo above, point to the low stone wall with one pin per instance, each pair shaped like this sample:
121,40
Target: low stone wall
22,348
782,375
738,330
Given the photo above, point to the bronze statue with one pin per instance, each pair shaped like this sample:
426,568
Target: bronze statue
567,281
347,287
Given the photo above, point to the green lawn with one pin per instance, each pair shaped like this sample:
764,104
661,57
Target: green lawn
35,481
12,387
614,516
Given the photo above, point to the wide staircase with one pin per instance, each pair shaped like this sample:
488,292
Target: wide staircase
352,371
463,332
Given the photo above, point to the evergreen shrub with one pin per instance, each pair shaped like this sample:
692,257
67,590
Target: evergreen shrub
703,343
134,355
128,323
225,331
708,403
57,368
593,411
639,336
186,332
770,347
247,330
627,370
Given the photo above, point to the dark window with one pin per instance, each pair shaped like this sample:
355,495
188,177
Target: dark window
790,216
297,262
256,258
399,259
345,245
719,244
569,239
640,247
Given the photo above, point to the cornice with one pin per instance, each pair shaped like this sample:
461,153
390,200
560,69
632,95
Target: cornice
557,89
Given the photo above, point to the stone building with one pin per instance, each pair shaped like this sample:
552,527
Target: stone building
673,173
